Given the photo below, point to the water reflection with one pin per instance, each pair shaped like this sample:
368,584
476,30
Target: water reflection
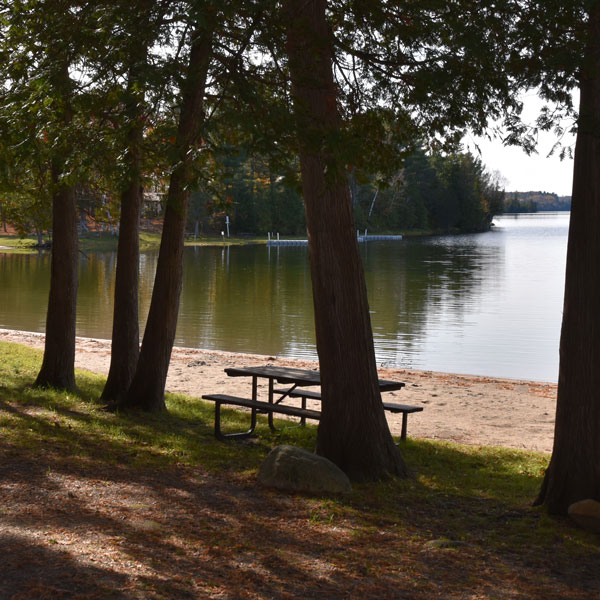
421,285
487,304
24,283
247,299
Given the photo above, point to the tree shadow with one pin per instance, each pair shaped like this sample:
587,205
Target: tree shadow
32,570
159,528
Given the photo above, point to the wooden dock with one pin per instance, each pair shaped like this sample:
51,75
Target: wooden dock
361,239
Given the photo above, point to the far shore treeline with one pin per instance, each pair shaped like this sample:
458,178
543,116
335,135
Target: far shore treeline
431,192
528,202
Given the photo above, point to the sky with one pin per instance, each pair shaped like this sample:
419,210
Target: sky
523,173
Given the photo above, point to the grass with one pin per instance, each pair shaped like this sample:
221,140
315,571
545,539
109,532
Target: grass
474,501
441,468
149,239
183,436
105,242
13,243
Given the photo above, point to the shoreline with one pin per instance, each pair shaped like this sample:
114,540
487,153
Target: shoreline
467,409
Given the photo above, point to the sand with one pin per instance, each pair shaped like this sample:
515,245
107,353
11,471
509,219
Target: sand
460,408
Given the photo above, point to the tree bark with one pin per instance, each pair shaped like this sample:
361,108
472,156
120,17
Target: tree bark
126,329
148,385
58,365
353,431
574,470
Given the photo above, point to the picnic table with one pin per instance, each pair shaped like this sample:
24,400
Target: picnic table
297,380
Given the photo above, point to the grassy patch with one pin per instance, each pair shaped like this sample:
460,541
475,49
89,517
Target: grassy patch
13,243
183,435
170,497
106,242
227,241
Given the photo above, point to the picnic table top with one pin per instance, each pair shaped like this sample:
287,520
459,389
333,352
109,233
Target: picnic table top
297,376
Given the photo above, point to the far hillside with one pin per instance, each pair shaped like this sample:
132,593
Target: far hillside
535,202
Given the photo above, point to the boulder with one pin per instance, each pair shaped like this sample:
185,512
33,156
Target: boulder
296,470
586,514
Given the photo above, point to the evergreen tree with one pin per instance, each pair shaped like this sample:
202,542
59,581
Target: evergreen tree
574,471
45,104
148,384
141,27
353,431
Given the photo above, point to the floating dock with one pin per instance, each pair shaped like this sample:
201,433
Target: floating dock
360,238
378,238
287,242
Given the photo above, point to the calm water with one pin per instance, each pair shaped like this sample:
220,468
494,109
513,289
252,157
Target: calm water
486,304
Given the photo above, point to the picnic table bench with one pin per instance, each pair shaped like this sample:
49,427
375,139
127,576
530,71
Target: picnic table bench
257,407
392,407
296,378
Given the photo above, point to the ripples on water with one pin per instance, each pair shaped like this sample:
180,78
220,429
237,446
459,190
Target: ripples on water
489,304
486,304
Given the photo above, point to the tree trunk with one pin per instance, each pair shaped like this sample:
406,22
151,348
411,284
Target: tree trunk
126,329
58,365
353,431
574,471
148,385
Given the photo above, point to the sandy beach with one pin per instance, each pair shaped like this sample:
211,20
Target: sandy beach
461,408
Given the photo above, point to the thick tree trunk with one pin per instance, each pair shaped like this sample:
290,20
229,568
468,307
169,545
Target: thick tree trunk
126,329
574,471
148,385
353,431
58,365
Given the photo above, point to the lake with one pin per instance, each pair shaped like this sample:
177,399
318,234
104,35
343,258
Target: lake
485,304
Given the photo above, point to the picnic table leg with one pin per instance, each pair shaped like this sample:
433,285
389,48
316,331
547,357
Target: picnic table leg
270,415
224,436
404,423
272,401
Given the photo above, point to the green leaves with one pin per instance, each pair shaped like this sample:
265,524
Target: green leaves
78,76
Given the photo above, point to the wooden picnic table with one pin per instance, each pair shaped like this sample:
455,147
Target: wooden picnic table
297,377
298,380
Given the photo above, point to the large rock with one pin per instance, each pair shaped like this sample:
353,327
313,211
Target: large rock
296,470
586,513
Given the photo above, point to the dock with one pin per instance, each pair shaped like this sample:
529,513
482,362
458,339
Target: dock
361,239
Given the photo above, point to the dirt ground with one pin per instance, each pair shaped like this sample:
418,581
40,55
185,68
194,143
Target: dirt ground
73,529
81,528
